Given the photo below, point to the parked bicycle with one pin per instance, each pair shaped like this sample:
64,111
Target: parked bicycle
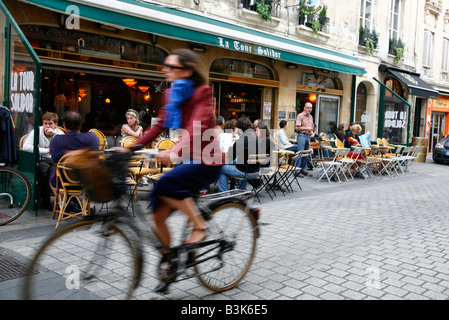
104,253
15,194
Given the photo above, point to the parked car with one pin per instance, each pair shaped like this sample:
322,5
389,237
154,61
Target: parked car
441,151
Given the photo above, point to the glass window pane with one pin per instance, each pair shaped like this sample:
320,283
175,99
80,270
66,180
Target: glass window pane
328,112
22,87
395,120
241,68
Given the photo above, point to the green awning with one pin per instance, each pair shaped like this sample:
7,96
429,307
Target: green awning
193,27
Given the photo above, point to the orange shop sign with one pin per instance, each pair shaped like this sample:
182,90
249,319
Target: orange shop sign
440,104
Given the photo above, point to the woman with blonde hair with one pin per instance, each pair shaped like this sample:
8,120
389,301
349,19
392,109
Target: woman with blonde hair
352,135
132,127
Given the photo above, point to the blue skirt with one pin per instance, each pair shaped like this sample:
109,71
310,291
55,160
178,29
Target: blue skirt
184,181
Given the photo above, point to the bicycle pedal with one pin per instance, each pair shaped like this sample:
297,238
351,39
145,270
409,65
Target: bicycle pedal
163,288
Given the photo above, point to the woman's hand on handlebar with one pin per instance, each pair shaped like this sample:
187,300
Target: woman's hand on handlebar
164,157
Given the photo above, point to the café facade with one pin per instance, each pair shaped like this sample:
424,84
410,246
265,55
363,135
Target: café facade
104,57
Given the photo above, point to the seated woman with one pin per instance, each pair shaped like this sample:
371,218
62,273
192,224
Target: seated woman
352,137
132,127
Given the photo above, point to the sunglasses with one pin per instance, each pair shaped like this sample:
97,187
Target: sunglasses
171,67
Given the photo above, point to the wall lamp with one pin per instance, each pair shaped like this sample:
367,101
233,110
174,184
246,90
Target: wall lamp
291,65
197,48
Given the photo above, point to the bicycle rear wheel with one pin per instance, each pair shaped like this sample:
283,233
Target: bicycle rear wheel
15,194
237,227
85,261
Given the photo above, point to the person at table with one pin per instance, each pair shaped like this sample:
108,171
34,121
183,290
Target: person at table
352,136
266,144
282,140
74,139
340,132
247,144
229,135
46,133
131,127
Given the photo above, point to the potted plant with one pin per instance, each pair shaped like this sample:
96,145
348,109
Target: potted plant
398,51
316,26
263,7
322,17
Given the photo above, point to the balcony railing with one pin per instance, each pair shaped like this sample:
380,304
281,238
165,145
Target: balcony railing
274,4
314,21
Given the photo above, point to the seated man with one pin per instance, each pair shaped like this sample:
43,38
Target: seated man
46,133
246,145
72,140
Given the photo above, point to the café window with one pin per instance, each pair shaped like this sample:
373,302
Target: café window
241,68
396,116
318,81
51,39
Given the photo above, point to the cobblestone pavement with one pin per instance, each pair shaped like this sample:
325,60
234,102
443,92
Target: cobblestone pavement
385,239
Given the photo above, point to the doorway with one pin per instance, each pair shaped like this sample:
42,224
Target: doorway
236,100
328,112
437,128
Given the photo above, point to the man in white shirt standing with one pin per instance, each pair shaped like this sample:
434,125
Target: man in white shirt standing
282,140
46,132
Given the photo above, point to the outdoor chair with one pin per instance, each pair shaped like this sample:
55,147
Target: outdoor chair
102,139
332,168
69,190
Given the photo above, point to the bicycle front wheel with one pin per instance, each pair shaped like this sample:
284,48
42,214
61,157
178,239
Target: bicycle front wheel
226,265
15,194
85,261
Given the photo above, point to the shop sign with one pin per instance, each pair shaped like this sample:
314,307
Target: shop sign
311,6
248,48
440,104
395,119
22,91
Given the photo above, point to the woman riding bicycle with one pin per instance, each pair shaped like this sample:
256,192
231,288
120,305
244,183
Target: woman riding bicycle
189,107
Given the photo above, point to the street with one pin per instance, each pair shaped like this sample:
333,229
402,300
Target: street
359,240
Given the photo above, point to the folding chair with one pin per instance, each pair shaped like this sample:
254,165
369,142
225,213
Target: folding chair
260,159
289,175
366,166
316,153
68,188
349,164
331,168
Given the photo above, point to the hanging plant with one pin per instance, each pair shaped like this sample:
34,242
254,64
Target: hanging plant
263,7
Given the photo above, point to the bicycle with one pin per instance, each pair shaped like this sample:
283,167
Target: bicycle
15,194
109,249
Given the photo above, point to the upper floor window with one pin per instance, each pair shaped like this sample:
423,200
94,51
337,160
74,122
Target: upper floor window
428,49
367,15
445,60
395,19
